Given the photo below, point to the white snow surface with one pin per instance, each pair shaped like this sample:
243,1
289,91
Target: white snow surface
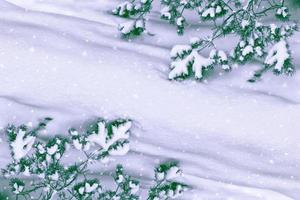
234,140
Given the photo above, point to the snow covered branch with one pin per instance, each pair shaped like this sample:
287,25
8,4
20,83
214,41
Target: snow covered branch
244,19
55,177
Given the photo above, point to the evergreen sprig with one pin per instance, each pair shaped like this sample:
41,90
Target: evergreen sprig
44,162
165,185
244,19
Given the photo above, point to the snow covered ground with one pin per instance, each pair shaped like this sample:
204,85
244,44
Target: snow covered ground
233,139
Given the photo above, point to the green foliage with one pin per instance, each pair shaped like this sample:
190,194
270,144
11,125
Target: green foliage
127,187
4,196
165,187
55,177
295,3
132,8
136,10
244,19
17,186
213,10
86,189
22,138
187,62
132,28
111,137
